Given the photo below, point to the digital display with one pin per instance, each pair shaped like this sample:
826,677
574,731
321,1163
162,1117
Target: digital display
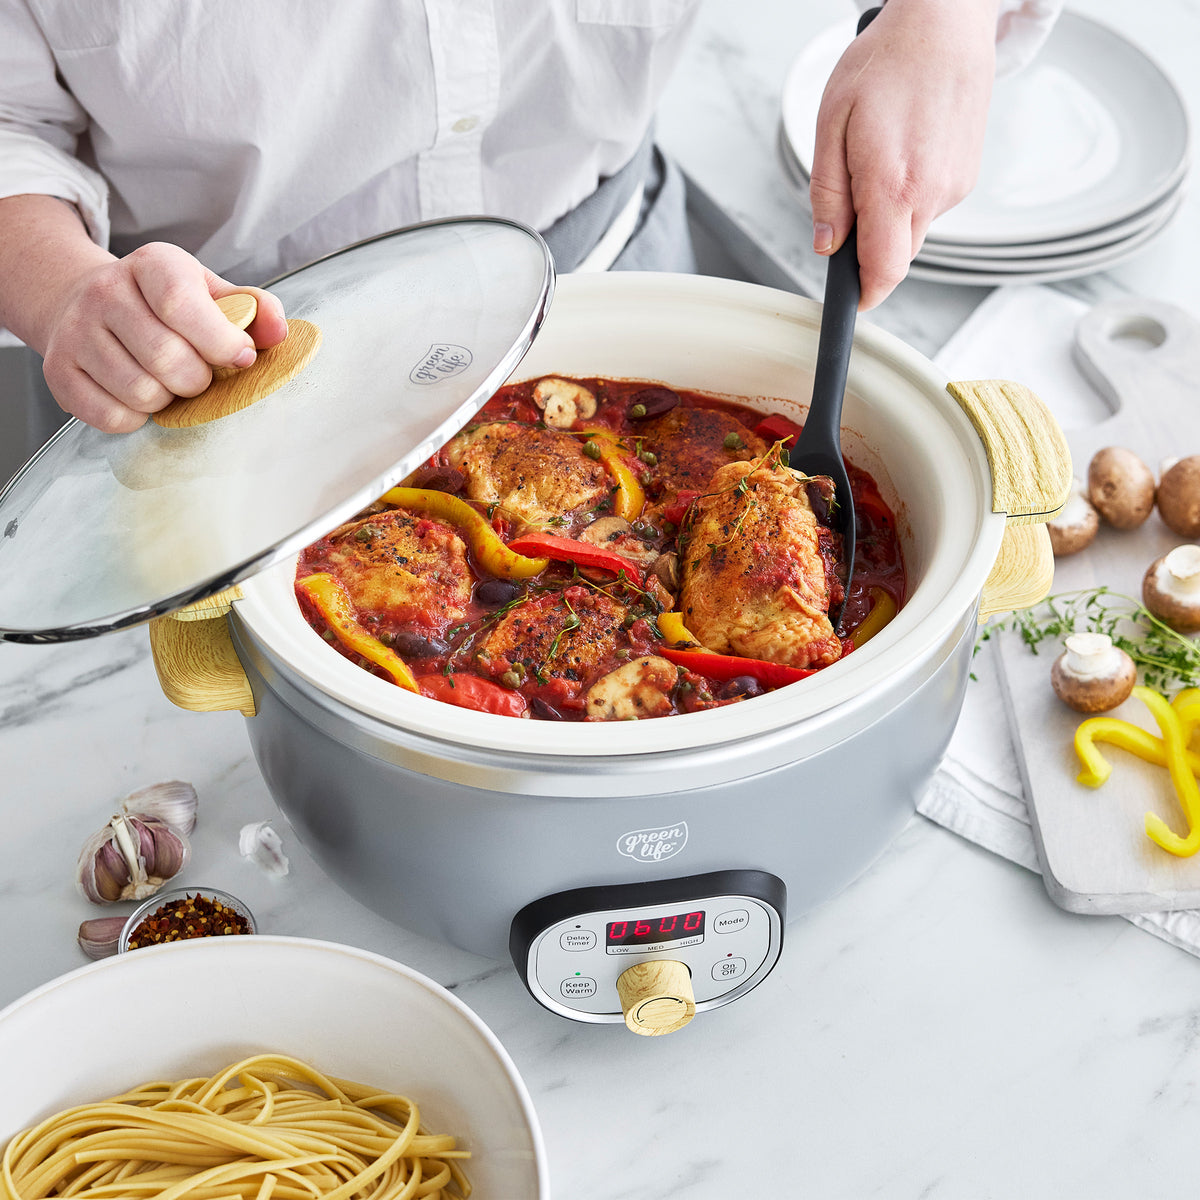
651,930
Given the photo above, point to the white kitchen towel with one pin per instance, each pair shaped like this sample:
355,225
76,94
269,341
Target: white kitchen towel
1023,333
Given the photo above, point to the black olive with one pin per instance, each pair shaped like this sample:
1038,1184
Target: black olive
495,593
438,479
408,644
740,687
543,711
650,402
820,499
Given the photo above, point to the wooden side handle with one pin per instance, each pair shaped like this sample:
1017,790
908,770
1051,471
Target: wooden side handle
198,668
1026,448
1023,572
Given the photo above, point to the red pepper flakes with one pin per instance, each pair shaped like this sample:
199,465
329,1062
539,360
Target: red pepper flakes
192,917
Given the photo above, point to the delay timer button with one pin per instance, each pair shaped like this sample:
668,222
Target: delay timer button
732,921
577,939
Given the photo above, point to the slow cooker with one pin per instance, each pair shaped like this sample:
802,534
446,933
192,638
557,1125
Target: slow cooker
580,849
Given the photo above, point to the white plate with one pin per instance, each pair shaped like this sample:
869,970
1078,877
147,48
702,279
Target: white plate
1107,235
1087,135
1095,258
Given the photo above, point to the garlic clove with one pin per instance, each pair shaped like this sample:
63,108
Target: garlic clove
99,937
262,845
130,859
173,802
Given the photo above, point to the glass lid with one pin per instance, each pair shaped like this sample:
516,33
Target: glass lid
416,330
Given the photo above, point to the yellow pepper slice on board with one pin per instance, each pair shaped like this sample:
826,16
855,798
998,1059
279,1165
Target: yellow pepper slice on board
490,551
883,609
630,497
333,602
1186,788
674,631
1126,735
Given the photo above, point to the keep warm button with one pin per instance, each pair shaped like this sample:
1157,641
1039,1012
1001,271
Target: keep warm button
732,921
577,988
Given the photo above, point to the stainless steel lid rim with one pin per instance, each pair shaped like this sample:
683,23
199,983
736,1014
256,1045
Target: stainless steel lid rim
579,778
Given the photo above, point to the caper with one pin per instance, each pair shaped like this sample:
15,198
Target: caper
637,412
649,458
591,449
733,441
511,679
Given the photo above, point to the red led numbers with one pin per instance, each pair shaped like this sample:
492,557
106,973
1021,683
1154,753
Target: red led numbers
647,932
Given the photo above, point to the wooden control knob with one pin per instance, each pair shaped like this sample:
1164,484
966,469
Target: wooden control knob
656,996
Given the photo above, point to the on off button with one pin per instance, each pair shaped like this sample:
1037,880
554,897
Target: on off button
732,921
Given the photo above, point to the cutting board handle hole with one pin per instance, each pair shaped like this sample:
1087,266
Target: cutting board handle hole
1138,333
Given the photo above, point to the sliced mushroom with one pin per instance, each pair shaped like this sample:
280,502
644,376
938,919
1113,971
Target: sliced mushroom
641,688
615,533
1075,527
666,570
1171,589
1121,487
563,402
1092,675
1178,497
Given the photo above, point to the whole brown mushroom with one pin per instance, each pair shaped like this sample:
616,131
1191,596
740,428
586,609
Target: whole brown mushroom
1092,675
1121,487
1178,497
1075,527
1171,589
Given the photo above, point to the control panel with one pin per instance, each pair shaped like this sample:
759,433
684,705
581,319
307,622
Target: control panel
725,927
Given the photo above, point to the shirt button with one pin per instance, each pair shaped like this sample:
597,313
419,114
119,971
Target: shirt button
465,124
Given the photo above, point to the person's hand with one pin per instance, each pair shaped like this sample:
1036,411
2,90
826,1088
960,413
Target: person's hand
131,334
900,132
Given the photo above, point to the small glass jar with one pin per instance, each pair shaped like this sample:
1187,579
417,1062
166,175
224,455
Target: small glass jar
174,896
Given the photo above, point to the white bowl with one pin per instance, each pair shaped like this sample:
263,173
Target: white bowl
190,1008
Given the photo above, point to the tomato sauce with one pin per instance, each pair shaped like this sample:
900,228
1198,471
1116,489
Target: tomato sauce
553,644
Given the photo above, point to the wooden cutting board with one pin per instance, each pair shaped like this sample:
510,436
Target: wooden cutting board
1143,357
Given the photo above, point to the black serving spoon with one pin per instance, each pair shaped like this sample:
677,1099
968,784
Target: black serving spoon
818,449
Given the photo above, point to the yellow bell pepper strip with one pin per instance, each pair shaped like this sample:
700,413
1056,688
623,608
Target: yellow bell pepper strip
490,551
883,609
1187,705
630,497
1127,736
333,602
675,632
1186,788
729,666
469,691
583,554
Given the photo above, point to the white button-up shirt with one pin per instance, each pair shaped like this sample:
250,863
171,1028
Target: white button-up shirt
261,134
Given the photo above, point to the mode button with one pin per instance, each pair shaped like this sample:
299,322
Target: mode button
732,921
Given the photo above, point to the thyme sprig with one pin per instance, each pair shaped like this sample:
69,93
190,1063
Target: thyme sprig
1167,659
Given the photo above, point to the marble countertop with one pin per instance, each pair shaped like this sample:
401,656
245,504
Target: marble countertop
939,1029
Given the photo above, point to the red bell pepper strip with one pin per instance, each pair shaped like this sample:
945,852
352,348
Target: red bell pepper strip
777,428
729,666
469,691
583,554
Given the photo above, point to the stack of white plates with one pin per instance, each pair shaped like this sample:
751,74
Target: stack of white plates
1085,159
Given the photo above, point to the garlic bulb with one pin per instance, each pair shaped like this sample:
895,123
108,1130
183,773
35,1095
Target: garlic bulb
173,802
130,859
262,845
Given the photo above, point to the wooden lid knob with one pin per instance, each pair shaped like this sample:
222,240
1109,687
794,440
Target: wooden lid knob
656,996
232,389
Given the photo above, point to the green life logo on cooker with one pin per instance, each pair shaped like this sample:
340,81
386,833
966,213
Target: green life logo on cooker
653,845
442,361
